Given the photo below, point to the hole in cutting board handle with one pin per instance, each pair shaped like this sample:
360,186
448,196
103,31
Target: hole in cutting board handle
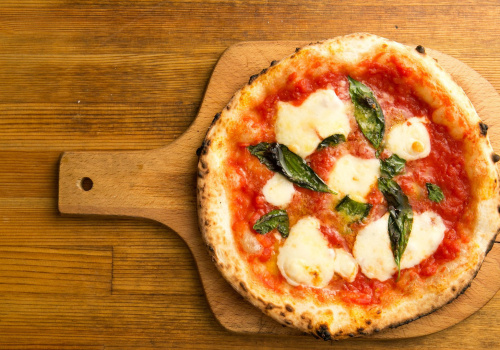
86,184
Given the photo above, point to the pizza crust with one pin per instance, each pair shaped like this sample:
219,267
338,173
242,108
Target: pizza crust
335,320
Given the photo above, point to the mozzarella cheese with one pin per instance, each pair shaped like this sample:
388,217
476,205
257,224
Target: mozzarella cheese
372,249
345,265
305,258
301,128
354,176
410,140
426,235
278,191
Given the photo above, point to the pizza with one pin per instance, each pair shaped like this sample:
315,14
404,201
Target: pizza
348,188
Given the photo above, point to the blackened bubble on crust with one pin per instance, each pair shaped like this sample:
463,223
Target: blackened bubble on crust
297,49
368,322
498,209
269,306
495,157
202,150
252,78
483,129
216,117
420,49
289,308
282,314
273,63
243,287
323,332
263,71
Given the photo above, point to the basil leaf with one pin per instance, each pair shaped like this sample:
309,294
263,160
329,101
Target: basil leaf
280,159
367,112
392,166
434,192
400,217
356,211
275,219
333,140
265,155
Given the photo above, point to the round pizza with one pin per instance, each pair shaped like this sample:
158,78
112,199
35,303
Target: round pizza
348,188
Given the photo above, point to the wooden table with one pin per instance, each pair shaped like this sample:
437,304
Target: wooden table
130,75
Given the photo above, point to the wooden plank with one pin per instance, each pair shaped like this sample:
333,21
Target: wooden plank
99,37
56,270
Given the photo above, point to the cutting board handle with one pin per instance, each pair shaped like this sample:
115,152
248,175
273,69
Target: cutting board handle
155,184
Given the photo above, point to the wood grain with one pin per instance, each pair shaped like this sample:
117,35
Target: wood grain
145,184
139,70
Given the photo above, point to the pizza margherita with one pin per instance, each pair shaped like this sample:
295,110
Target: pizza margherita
348,188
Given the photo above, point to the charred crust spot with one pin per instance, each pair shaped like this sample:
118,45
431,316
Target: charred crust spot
351,335
289,308
263,71
368,322
376,330
379,312
483,128
288,322
490,246
454,288
269,306
495,157
198,150
217,116
498,209
243,287
309,326
420,49
360,330
252,78
203,149
200,174
273,63
210,248
323,332
282,314
297,49
203,164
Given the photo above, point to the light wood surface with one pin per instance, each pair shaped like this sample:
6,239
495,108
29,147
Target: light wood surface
145,184
130,75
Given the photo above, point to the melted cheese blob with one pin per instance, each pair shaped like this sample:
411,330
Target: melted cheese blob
345,265
426,236
278,191
303,127
305,258
410,140
373,252
354,176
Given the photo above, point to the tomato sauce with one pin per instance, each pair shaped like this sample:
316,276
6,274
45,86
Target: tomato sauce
444,167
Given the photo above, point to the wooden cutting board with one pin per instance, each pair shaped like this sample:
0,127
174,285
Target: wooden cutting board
160,185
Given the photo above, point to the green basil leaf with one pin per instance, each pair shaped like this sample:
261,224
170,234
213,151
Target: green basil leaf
276,219
356,211
400,217
333,140
265,155
434,192
280,159
392,166
367,112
